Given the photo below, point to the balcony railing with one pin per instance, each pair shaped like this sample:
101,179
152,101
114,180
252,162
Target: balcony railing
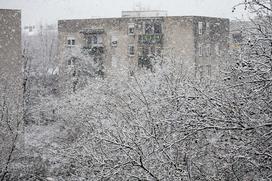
90,46
150,39
94,49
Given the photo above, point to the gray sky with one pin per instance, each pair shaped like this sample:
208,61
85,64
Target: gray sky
49,11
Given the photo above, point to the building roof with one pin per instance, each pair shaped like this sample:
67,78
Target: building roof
116,18
10,10
148,13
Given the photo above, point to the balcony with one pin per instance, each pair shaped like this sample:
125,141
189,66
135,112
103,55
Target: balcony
150,39
94,49
146,62
92,31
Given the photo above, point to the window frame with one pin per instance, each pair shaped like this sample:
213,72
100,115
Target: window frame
71,41
207,27
94,40
131,50
114,41
153,27
131,26
200,50
159,26
200,27
208,50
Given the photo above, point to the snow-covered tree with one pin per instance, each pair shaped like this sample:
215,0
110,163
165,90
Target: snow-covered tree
162,126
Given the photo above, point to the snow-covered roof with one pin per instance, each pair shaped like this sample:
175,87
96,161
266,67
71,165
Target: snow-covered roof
149,13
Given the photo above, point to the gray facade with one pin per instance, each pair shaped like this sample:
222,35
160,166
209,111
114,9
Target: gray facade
10,57
10,79
129,43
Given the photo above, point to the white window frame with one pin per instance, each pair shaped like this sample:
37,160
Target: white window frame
200,28
71,39
208,50
200,50
129,50
131,26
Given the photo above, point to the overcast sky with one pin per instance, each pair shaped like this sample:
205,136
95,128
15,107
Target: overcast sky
49,11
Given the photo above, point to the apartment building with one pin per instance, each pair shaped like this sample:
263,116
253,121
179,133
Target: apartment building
136,39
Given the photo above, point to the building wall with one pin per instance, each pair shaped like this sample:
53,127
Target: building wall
215,37
10,55
72,28
113,57
10,78
180,41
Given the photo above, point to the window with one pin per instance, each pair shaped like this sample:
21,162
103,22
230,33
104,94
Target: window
157,28
131,29
208,49
152,28
114,41
237,37
145,51
94,40
200,28
148,28
71,41
207,28
71,61
200,50
131,50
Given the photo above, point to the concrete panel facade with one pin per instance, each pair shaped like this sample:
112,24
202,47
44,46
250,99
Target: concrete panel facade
10,57
10,79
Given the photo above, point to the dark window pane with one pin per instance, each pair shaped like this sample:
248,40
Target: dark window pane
157,28
148,28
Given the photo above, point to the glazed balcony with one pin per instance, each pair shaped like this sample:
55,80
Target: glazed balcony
150,39
94,49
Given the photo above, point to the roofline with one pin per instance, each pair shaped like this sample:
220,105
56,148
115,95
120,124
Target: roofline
147,11
113,18
10,9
